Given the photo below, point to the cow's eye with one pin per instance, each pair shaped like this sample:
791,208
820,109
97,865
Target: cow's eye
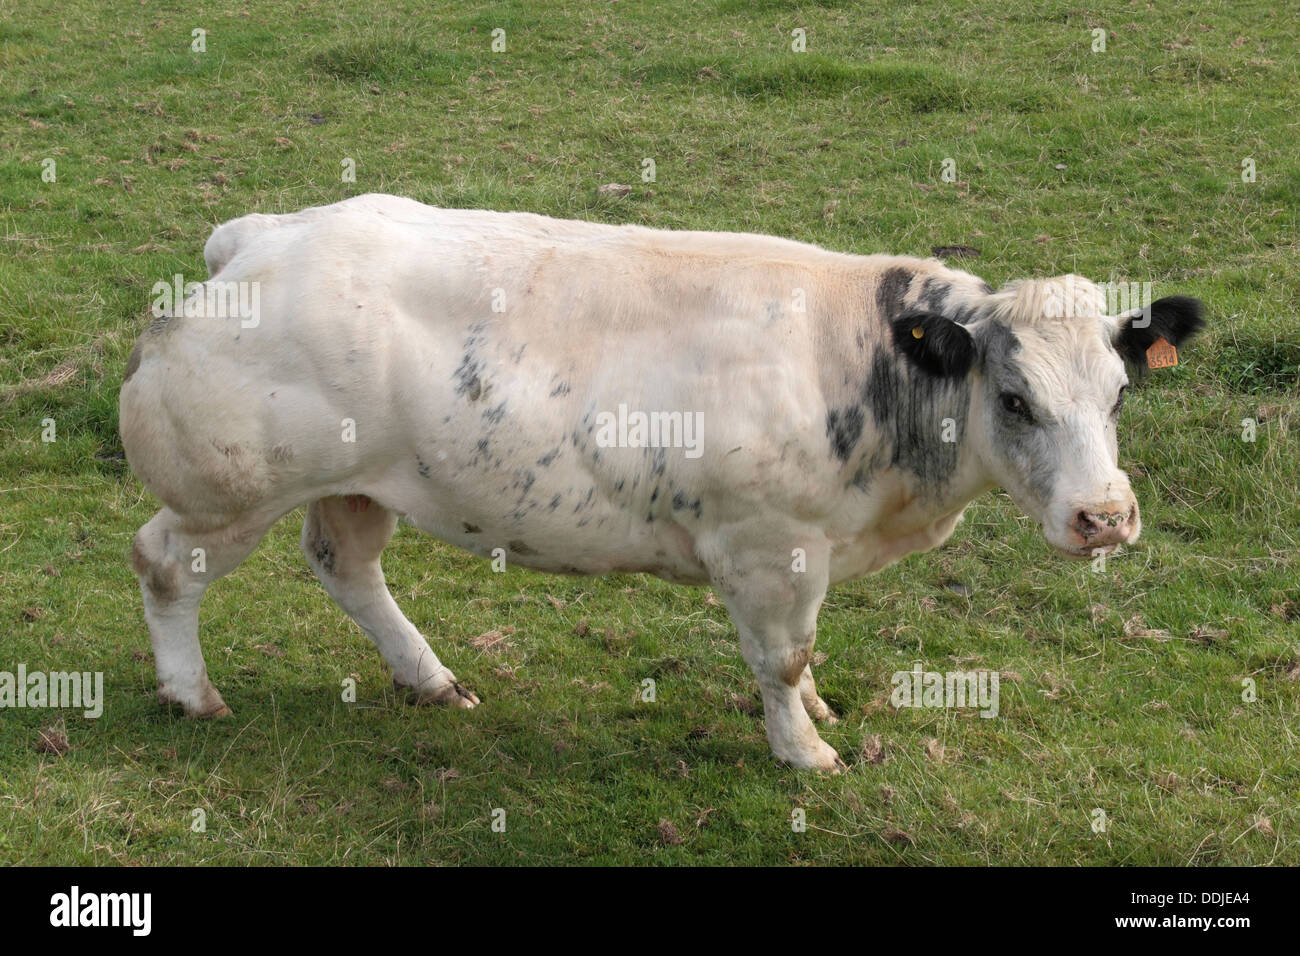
1014,405
1119,400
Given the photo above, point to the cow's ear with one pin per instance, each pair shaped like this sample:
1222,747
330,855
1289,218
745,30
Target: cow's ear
934,344
1174,319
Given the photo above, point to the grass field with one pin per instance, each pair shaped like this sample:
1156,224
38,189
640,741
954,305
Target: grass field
1122,691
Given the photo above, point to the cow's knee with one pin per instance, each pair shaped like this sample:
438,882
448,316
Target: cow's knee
160,572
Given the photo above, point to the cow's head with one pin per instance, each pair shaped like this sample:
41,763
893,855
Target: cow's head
1047,370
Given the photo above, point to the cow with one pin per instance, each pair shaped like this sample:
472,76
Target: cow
748,412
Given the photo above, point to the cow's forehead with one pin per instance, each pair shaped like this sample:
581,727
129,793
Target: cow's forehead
1053,304
1054,356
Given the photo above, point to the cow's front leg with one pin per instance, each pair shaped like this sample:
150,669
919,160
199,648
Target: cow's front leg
773,579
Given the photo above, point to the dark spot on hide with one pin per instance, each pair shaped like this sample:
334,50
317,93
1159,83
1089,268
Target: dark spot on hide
908,408
467,373
844,428
891,292
525,482
324,552
934,294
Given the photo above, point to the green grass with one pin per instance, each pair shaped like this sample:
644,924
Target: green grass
842,146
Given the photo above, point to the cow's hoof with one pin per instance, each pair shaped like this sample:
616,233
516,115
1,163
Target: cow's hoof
207,705
448,695
823,714
824,758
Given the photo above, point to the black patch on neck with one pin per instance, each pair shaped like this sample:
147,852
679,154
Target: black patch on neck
908,408
892,291
934,295
844,428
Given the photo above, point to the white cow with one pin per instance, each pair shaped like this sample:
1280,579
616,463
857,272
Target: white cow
487,375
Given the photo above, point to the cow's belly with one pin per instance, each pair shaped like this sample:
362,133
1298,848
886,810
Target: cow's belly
560,523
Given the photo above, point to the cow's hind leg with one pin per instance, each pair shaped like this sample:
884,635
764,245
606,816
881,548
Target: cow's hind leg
175,565
342,538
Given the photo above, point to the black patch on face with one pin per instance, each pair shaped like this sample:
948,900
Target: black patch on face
908,407
493,415
1026,446
891,292
470,528
518,547
421,466
1175,319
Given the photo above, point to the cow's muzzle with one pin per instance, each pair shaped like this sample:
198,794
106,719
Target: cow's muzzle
1105,527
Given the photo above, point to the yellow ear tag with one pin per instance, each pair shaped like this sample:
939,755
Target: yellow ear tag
1161,354
918,332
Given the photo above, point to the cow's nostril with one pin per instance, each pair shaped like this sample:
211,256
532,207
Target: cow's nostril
1084,524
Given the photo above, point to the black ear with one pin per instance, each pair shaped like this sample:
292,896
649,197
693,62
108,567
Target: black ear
934,344
1174,319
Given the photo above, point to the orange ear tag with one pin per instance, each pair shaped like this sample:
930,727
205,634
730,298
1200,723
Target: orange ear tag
1161,354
